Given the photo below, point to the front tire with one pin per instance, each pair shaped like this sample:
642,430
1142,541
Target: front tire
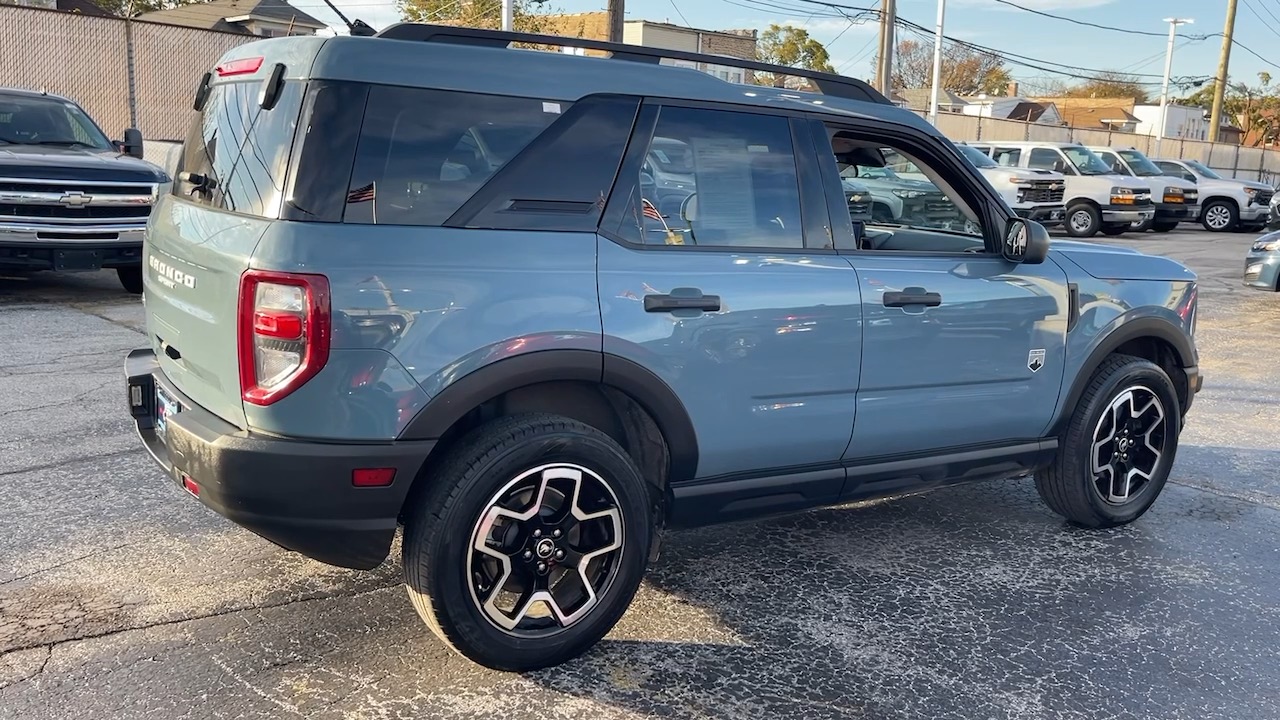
1114,230
1163,227
1083,220
130,278
1116,454
1219,216
530,542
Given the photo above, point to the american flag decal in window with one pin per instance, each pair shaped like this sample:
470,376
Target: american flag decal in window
359,195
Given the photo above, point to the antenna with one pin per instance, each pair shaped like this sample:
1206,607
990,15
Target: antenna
358,27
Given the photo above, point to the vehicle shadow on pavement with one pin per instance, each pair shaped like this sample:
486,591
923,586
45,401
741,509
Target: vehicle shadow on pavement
88,287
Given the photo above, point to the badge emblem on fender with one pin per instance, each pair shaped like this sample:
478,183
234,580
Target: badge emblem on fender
1035,360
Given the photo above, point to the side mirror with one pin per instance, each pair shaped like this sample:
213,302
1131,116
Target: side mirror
1059,167
132,144
1025,241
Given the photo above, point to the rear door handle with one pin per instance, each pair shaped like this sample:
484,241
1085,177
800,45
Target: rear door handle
682,299
912,296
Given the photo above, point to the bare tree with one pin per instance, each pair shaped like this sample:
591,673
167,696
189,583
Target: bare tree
965,71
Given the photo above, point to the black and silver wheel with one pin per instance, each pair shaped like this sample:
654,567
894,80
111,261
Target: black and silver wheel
530,542
1219,216
1118,449
1083,220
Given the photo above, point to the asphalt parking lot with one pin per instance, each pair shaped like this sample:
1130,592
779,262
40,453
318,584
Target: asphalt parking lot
122,598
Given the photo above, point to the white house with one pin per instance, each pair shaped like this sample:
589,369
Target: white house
1181,121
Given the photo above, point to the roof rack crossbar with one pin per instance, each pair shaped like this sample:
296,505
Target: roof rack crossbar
827,83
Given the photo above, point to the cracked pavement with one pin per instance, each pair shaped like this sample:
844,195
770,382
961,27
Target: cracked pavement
122,598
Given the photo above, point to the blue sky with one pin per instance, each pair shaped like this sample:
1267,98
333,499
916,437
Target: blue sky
984,22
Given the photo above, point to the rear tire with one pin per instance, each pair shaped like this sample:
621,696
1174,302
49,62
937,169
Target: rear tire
1083,220
466,541
1219,216
1163,227
1112,463
131,278
1114,230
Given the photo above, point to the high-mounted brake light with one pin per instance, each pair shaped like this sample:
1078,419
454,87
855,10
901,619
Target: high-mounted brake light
243,66
284,328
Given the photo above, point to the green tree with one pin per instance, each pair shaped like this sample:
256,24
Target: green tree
1255,109
531,16
965,71
1111,85
790,47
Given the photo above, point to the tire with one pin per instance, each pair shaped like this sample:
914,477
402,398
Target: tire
881,214
1163,227
1083,220
1219,216
1070,487
1143,226
1114,230
443,567
131,278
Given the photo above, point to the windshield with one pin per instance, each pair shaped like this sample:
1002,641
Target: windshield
977,157
36,120
1086,162
1203,171
1142,167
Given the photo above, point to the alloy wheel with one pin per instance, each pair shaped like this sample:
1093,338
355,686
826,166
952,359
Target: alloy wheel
1128,444
545,549
1218,217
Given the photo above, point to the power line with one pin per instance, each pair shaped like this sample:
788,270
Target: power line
1079,22
1261,19
677,9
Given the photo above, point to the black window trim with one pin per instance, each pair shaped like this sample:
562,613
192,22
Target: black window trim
811,209
974,190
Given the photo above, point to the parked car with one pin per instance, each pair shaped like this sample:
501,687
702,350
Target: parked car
1262,263
536,372
1273,216
1097,199
1225,204
1035,194
70,198
1175,199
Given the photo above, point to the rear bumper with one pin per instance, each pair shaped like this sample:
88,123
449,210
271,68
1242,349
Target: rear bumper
295,493
69,248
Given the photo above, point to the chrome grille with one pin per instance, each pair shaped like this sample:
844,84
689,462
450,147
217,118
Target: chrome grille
1044,191
73,202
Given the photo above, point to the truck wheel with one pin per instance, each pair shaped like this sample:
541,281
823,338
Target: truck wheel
1117,450
1219,216
529,543
1143,226
1163,227
1083,220
1114,230
881,214
131,278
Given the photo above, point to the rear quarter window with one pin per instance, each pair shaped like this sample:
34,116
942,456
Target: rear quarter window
423,153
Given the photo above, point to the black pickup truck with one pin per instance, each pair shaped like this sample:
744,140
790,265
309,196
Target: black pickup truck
70,198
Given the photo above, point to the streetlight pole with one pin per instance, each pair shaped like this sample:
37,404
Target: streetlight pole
1168,68
937,63
508,14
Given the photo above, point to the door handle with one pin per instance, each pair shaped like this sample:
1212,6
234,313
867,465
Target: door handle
682,299
911,296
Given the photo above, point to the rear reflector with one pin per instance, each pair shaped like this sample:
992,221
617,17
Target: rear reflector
190,485
244,66
372,477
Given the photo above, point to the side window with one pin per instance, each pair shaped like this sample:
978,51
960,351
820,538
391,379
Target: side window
1044,158
1009,157
423,153
920,212
717,178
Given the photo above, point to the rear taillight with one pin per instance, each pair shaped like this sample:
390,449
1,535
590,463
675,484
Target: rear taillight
284,332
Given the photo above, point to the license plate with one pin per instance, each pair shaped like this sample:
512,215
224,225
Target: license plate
1056,214
165,408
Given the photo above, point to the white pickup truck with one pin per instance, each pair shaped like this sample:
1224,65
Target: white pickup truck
1225,204
1176,200
1097,199
1034,194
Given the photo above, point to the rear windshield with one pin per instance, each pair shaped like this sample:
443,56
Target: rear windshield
423,153
241,149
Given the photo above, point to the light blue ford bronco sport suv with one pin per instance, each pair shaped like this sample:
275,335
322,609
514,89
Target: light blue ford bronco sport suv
423,280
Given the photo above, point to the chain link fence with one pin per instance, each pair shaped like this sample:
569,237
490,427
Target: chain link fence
124,73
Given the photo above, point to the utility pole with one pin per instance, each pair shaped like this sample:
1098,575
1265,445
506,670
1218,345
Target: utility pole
508,14
884,67
937,63
1164,86
617,13
1220,82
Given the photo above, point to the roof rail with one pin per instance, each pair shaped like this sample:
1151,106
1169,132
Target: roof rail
827,83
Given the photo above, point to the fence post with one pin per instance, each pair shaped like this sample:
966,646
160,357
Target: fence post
1235,164
133,88
1262,164
979,133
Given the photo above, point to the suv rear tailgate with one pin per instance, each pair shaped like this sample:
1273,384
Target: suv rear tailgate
195,257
